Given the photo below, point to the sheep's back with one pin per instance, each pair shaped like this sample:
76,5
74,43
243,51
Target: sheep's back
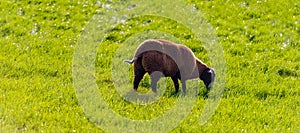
176,55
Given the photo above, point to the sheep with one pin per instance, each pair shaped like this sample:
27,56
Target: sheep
160,58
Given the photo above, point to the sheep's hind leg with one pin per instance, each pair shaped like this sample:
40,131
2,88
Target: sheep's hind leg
176,85
155,76
137,79
139,73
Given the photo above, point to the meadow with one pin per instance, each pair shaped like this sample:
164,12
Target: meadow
260,39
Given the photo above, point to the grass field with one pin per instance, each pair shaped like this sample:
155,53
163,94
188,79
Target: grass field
260,39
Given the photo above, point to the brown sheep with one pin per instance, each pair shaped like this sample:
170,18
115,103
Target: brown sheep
161,58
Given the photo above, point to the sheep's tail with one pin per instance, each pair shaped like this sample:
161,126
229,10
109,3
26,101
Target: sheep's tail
129,61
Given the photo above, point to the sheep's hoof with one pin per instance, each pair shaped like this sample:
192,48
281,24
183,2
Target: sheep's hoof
205,94
174,94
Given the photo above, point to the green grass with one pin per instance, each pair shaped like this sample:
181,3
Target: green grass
261,42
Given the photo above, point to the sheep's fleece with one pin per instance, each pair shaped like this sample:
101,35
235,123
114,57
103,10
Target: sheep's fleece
164,58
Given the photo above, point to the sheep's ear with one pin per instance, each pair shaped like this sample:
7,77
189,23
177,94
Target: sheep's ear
210,71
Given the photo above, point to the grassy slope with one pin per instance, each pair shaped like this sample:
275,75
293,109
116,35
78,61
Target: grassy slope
260,39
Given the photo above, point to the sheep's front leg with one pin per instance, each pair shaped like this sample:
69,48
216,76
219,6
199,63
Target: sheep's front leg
176,85
155,76
183,87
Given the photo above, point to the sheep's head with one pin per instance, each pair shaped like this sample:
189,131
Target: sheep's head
208,77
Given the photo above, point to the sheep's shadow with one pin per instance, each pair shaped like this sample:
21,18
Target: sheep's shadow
141,98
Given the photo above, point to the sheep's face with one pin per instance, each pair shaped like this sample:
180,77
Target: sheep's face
208,77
